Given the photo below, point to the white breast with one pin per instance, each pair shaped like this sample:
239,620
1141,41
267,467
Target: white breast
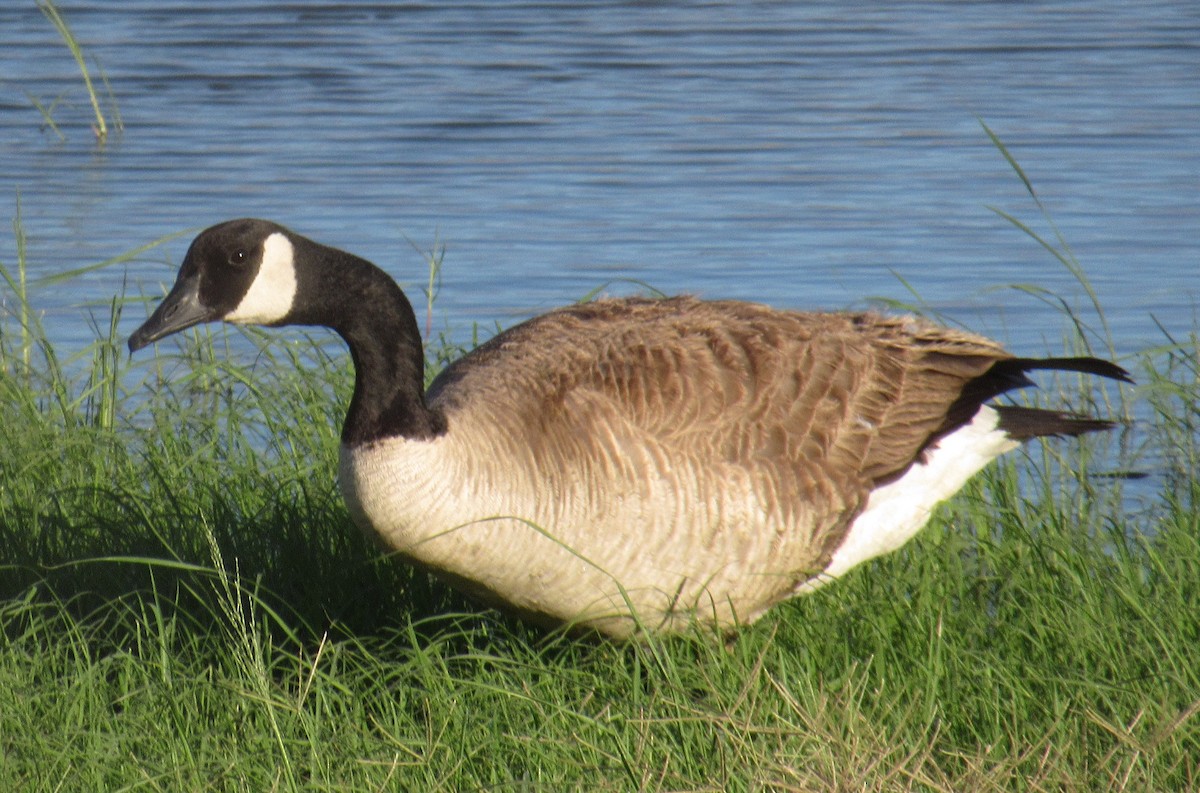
508,536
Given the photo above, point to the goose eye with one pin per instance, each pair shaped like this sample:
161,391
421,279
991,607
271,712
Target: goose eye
238,258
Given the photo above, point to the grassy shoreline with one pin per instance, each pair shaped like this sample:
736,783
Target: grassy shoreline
185,605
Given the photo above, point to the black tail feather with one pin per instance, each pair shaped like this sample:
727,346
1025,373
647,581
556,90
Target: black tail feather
1096,366
1024,423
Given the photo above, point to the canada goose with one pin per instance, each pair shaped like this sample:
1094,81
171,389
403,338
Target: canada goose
633,461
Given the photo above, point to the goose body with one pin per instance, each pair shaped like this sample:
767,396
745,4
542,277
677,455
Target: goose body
633,462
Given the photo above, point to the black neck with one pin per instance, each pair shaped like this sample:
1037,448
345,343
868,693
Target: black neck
367,309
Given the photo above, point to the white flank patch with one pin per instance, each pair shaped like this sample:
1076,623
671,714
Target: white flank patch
897,511
270,296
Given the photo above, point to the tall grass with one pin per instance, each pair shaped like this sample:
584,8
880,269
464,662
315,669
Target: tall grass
101,125
185,605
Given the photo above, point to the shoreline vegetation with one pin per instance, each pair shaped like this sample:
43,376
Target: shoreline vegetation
102,123
186,605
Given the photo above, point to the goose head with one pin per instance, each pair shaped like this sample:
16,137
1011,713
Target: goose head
241,271
255,272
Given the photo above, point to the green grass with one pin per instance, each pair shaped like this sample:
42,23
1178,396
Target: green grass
185,605
100,126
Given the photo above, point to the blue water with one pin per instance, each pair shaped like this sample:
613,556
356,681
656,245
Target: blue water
802,154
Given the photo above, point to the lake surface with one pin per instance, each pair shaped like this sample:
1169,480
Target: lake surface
801,154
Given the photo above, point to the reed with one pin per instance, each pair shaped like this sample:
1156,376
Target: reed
47,113
100,127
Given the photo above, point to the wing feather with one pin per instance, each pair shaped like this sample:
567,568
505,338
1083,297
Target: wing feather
817,408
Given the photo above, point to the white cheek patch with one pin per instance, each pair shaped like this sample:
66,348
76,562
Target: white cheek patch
270,296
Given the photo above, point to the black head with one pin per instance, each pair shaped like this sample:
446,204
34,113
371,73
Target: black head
237,271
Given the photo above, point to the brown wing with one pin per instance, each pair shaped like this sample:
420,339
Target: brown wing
822,406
